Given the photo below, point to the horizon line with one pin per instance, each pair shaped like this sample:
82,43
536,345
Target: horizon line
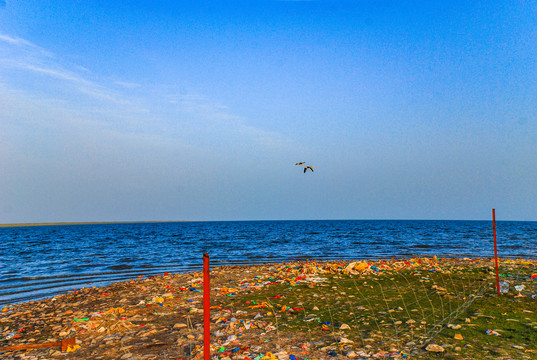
66,223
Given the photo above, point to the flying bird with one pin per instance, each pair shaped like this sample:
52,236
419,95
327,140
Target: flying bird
300,163
308,167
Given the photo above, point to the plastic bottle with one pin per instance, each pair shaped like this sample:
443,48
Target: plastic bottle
504,287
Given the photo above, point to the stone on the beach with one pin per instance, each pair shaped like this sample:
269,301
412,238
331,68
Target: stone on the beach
458,337
344,327
434,348
148,333
180,326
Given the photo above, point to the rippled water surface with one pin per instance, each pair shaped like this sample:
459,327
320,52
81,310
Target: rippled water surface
45,260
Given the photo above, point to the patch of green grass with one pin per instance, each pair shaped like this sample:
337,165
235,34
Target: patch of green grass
404,311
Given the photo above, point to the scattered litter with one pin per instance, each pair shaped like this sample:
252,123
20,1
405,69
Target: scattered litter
257,311
504,287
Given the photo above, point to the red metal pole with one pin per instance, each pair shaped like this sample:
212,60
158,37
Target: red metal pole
495,251
206,309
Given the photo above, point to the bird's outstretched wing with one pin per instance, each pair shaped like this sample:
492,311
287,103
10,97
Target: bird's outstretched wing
308,167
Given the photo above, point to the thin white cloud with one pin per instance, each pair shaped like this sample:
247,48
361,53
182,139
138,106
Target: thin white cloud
15,40
200,105
78,91
24,44
78,82
127,85
26,56
217,121
58,74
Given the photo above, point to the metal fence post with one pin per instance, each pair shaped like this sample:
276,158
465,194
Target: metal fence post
495,251
206,309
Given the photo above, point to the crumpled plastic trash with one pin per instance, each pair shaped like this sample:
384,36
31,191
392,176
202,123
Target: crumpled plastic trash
269,356
117,310
504,287
72,348
356,266
519,288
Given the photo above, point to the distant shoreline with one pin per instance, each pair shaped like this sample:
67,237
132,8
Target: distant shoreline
198,221
87,223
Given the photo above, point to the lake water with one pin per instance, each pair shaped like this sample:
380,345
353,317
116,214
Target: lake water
37,262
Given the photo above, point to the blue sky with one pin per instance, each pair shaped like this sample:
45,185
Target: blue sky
156,110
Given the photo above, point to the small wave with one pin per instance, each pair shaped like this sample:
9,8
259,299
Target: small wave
422,246
120,267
